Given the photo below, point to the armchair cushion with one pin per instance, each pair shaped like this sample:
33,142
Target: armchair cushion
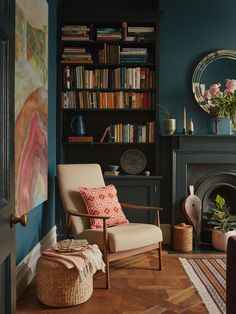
103,201
125,237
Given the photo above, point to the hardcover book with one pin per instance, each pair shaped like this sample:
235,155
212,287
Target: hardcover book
82,139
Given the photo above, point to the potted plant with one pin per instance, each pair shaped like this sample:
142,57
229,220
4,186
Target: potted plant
223,223
169,121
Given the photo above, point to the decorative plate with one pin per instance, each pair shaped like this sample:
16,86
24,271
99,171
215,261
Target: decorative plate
133,161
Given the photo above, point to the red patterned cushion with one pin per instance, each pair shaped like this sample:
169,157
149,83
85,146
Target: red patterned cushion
104,202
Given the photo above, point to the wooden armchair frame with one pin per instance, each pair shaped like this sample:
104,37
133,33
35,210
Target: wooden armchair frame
109,257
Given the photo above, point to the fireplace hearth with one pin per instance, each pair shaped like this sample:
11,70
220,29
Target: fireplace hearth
209,164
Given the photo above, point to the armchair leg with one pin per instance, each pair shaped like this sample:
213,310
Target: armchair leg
108,286
160,256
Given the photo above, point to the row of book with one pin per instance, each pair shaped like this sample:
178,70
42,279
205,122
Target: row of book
109,53
125,32
107,100
132,133
115,78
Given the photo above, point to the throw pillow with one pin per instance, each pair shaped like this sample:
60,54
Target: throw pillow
103,201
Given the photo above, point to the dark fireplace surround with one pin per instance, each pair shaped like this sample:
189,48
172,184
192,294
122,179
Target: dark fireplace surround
209,164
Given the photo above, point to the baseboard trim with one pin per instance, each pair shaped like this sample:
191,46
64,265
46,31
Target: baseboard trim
25,271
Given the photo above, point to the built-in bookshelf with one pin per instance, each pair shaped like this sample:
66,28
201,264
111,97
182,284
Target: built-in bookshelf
109,76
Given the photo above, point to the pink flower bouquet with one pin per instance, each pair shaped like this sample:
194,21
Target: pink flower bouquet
222,104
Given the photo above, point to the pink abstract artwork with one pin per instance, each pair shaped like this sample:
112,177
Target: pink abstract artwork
31,104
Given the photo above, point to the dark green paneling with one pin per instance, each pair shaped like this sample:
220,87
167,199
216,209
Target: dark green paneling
42,218
188,31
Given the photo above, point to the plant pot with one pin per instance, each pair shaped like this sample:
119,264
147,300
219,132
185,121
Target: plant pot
169,126
220,239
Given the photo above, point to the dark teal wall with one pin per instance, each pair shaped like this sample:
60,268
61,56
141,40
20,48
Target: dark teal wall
42,218
188,31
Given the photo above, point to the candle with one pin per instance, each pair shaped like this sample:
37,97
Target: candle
190,127
185,118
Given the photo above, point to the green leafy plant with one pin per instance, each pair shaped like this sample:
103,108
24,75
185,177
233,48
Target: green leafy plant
220,216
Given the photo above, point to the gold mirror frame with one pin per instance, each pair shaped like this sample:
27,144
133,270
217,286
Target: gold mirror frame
197,74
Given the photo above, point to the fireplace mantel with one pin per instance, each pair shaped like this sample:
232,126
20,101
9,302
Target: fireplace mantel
205,142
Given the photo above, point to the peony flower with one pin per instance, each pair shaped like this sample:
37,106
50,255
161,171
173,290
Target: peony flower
230,85
207,94
214,89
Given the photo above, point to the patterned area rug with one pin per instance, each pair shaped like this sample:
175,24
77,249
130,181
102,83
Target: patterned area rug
209,278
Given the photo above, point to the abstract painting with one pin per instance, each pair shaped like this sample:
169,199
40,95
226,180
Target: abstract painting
31,104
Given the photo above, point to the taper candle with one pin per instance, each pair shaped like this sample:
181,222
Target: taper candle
185,118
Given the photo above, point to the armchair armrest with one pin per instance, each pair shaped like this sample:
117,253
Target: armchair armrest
87,215
157,209
132,206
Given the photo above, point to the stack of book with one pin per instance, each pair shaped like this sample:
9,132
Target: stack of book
141,33
132,55
75,32
109,33
77,54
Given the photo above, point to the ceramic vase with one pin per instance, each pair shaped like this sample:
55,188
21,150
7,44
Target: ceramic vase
225,126
169,126
220,239
77,126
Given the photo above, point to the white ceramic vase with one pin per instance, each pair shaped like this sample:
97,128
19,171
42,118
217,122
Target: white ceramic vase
220,239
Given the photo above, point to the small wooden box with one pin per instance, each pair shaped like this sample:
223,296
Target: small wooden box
183,237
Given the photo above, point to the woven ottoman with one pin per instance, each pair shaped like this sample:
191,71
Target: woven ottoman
61,287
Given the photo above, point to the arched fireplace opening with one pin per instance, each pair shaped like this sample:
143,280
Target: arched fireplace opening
208,186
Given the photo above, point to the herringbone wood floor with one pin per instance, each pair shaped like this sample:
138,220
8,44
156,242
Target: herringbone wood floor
136,287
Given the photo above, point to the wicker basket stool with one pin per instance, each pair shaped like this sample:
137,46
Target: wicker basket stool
60,287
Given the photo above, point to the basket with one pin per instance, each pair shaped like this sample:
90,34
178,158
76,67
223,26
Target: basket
61,287
183,237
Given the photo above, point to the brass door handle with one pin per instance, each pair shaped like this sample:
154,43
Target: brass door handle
23,220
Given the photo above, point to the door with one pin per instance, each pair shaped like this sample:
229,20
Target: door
7,205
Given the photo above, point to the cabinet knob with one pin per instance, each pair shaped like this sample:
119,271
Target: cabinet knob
23,220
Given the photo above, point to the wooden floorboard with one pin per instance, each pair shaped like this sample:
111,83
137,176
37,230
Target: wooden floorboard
136,287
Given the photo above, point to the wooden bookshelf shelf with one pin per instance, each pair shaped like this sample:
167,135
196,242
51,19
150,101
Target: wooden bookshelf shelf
107,144
108,110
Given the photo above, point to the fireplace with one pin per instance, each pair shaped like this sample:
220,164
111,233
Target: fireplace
209,164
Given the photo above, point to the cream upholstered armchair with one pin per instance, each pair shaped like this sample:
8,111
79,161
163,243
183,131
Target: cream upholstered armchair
115,242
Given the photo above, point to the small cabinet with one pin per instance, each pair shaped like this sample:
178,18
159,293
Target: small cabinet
138,190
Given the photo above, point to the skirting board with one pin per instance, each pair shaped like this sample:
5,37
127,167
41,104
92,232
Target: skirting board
25,271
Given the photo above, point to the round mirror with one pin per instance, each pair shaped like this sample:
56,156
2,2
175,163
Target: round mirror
215,68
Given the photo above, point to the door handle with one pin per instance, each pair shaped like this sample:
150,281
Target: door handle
23,220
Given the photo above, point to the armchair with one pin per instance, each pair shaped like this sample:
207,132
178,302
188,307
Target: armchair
115,242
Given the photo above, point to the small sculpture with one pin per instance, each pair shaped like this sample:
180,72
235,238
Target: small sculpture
192,207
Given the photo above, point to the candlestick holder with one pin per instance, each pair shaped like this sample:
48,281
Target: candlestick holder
184,131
